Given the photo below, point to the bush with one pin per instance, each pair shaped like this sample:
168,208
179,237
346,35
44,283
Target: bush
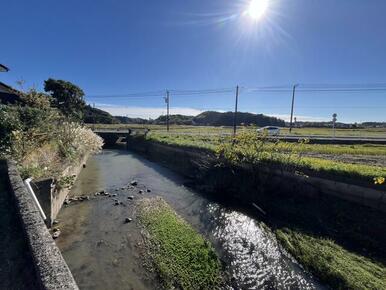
9,122
40,140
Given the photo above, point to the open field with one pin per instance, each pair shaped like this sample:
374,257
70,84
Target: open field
223,130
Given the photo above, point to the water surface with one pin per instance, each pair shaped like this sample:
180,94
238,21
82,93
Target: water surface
103,252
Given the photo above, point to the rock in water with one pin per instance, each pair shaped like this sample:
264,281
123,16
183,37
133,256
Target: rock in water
130,197
148,190
128,220
56,233
134,183
140,192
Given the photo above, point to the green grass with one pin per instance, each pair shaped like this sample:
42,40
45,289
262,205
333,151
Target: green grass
319,165
211,141
332,263
182,257
360,149
364,172
205,130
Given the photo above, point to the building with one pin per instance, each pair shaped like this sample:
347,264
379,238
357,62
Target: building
8,95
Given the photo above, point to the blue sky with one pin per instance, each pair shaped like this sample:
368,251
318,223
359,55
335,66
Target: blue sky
119,47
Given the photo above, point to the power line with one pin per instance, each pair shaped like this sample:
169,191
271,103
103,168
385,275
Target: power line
303,88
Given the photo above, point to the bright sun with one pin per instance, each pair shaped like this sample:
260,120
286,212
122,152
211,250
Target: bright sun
257,8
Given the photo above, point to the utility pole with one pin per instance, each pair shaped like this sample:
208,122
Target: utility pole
167,110
292,107
93,114
334,119
235,114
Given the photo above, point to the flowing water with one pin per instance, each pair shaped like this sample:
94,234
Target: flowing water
104,252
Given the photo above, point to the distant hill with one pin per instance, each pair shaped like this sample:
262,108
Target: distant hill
94,115
208,118
127,120
211,118
175,119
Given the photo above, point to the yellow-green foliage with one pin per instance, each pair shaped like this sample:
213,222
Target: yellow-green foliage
365,172
249,147
333,264
182,257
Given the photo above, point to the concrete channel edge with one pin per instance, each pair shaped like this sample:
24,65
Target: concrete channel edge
51,269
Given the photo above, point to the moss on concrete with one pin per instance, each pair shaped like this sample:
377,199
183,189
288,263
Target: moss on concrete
181,256
333,264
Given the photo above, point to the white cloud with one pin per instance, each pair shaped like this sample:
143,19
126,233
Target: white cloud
145,112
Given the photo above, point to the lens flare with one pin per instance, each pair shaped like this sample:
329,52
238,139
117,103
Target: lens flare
257,8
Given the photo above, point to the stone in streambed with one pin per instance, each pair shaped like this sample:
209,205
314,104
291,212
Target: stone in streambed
128,220
56,233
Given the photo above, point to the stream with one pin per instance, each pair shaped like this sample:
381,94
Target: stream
104,252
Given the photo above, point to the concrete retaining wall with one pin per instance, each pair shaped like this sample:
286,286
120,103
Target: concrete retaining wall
239,180
50,197
51,270
58,196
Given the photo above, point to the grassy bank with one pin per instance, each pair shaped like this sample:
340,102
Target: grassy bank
182,257
332,263
211,141
289,155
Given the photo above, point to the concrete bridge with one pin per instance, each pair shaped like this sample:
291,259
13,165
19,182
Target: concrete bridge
111,136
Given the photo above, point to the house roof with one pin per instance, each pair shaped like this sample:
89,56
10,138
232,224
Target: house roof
9,94
6,89
3,68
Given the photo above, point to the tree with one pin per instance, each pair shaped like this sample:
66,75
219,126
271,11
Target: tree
67,97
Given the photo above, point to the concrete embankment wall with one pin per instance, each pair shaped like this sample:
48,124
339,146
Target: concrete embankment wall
202,165
50,268
51,198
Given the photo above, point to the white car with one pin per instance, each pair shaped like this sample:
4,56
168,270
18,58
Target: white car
269,130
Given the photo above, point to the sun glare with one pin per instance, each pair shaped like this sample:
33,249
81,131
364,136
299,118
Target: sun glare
257,8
